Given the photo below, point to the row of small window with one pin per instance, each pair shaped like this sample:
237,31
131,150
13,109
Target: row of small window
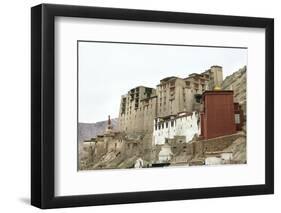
171,84
171,94
164,110
147,113
162,125
136,109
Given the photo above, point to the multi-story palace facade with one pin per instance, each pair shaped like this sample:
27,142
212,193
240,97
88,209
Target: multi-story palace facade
142,106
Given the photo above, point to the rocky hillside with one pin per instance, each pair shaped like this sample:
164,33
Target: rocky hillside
237,83
91,130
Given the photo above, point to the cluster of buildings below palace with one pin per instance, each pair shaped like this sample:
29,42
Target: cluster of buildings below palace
194,106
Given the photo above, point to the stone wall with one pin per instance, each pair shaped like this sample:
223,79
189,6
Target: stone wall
183,152
212,145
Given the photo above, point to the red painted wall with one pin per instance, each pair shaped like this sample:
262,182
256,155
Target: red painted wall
217,118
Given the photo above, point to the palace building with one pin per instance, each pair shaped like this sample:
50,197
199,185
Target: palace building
194,106
137,110
142,105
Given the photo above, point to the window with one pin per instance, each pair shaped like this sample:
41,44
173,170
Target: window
237,118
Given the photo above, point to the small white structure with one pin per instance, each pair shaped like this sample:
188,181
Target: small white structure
213,160
219,158
165,154
183,124
139,163
227,156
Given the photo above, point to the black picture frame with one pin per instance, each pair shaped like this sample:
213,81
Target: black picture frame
43,105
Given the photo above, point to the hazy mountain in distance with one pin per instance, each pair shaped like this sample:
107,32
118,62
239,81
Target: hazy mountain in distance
91,130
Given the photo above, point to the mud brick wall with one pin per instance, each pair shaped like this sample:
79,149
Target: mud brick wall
212,145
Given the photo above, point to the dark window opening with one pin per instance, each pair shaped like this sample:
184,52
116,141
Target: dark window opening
198,98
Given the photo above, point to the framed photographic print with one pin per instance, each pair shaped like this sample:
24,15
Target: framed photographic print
139,106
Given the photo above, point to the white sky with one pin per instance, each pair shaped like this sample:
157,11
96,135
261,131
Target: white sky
109,70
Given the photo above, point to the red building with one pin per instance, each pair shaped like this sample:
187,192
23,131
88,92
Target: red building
220,116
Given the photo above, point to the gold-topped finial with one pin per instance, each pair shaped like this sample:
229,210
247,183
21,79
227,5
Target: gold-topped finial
216,88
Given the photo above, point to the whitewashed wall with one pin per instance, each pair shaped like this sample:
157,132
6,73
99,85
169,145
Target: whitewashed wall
187,126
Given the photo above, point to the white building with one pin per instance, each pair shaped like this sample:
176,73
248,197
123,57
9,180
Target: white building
139,163
213,160
216,158
184,124
165,154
